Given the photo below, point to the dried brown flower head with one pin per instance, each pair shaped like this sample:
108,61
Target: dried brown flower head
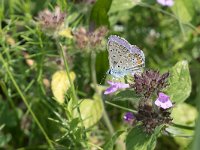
51,21
89,39
152,118
150,82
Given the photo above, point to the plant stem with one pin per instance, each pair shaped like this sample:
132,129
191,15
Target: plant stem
93,70
112,104
94,80
74,96
26,102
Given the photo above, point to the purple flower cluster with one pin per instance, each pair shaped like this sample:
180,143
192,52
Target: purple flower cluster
149,82
148,85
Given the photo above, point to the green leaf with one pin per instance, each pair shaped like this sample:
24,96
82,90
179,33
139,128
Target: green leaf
91,111
126,95
4,139
120,5
138,140
99,13
110,144
9,117
184,10
180,82
184,114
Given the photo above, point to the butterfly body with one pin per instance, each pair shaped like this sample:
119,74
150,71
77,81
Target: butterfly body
124,58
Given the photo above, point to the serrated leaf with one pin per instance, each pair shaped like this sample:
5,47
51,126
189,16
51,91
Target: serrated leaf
60,84
120,5
184,10
138,140
180,82
91,111
99,13
110,144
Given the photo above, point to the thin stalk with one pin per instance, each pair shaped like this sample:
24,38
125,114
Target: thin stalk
39,78
94,80
98,147
74,97
93,70
124,108
26,102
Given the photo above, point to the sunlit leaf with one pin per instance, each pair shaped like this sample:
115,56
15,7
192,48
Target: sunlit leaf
184,10
180,82
60,84
91,111
120,5
184,114
66,33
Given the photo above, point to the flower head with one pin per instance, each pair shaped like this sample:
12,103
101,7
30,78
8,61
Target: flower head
163,101
129,117
151,118
85,39
51,21
115,86
149,82
166,2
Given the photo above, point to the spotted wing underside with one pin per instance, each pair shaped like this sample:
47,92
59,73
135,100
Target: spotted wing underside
124,56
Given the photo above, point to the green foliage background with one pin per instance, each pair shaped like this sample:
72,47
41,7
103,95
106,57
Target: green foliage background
169,37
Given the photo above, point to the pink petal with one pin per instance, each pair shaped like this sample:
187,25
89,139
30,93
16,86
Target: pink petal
111,83
123,85
163,105
111,90
166,2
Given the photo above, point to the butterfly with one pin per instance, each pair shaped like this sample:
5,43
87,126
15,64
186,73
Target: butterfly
124,58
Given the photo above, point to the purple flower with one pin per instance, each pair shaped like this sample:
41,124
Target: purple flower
163,101
114,86
166,2
129,117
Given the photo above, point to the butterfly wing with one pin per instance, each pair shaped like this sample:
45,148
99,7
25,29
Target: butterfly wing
123,56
